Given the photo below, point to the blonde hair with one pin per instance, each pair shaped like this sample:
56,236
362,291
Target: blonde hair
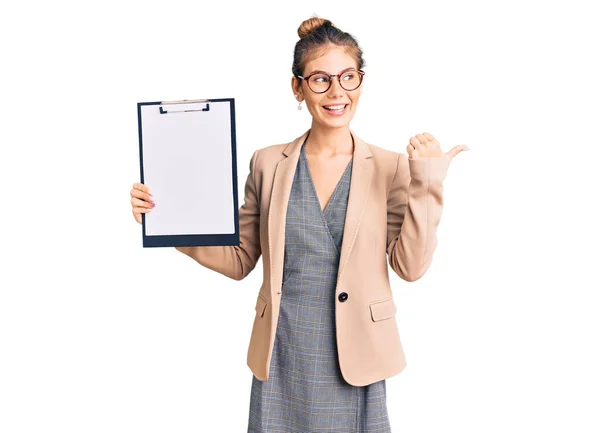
309,25
316,36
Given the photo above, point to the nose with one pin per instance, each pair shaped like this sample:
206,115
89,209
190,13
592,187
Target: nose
336,88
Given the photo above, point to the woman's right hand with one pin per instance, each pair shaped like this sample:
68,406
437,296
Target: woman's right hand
141,201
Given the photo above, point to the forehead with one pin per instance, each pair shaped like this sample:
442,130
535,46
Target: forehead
335,59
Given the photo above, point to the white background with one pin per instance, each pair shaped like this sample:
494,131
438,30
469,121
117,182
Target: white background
98,334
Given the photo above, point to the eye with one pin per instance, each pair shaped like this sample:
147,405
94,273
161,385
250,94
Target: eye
320,78
348,76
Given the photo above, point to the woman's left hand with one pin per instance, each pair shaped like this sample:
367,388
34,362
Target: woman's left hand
426,146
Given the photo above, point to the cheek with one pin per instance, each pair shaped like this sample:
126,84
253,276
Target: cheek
316,106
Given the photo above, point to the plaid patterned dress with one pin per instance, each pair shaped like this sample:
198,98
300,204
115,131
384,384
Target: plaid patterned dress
305,392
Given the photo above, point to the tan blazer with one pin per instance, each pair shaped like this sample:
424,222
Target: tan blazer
394,207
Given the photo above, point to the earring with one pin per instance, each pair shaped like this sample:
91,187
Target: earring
300,105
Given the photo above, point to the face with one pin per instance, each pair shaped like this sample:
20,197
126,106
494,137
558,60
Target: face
334,61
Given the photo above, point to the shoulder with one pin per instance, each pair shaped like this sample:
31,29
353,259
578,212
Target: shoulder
390,167
387,161
268,156
273,151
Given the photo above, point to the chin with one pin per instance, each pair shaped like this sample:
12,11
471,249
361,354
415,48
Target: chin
335,125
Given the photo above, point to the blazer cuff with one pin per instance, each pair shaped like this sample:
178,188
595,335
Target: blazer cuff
429,169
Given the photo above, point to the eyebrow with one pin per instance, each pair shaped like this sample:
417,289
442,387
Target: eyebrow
325,72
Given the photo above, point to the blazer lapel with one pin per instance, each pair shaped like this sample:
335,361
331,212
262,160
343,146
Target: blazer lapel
360,184
280,194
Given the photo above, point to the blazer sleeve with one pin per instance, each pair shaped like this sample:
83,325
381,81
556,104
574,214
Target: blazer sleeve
236,262
414,210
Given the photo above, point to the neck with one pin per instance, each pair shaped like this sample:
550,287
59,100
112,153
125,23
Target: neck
329,141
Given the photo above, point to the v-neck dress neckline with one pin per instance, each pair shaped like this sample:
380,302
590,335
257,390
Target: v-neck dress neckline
314,189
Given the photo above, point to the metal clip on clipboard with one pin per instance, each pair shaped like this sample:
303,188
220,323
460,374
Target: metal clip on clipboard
185,101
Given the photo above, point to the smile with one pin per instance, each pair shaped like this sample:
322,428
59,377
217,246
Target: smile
335,110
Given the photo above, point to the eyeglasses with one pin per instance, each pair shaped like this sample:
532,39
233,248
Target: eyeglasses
320,82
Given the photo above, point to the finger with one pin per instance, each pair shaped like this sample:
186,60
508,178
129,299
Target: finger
141,187
137,216
140,194
430,137
136,202
416,143
456,150
140,210
412,152
137,213
422,139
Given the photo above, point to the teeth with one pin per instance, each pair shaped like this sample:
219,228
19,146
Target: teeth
335,107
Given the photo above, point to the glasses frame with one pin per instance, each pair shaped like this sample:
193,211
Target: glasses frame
361,74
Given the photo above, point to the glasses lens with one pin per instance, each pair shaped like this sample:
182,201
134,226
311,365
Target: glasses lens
350,80
319,83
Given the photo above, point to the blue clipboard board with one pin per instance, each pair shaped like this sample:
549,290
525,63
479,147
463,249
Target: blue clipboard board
188,159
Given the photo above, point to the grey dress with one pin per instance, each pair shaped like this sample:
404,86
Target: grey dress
305,391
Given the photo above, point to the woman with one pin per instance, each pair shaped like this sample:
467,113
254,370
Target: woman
324,210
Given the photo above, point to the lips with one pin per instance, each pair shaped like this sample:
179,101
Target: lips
336,107
336,110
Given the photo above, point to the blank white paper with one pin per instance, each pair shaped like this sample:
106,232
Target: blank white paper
187,164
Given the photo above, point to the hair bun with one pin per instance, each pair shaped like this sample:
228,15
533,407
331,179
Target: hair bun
310,25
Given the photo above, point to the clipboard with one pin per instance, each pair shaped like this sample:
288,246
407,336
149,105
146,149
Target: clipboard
188,159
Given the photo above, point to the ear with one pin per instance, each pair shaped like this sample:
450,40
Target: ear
296,88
